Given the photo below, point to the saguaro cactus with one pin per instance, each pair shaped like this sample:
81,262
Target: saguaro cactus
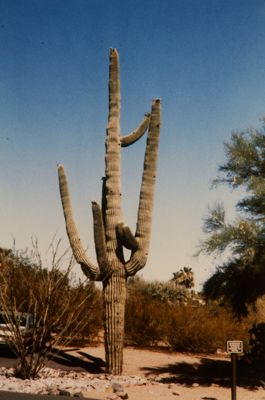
111,234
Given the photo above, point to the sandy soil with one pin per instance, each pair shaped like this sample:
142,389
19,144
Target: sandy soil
178,376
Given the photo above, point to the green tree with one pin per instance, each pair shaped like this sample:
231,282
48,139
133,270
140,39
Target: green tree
240,280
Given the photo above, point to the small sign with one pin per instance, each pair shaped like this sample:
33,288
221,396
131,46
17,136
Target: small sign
234,346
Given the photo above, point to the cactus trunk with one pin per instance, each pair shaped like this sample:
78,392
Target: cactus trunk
114,295
111,234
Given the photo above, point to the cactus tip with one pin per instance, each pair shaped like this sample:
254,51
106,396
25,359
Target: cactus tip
60,167
113,50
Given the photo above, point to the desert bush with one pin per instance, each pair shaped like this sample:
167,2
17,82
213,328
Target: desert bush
165,292
145,320
204,329
257,343
90,323
61,308
147,311
156,314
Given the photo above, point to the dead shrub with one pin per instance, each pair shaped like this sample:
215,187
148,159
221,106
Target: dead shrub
61,308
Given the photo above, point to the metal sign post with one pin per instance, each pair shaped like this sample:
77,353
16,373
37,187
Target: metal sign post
233,387
234,347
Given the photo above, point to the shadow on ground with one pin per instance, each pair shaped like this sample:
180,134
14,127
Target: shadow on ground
62,359
6,351
210,371
58,358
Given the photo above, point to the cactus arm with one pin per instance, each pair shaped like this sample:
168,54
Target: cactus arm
137,262
143,227
126,237
149,176
137,133
99,238
112,158
89,269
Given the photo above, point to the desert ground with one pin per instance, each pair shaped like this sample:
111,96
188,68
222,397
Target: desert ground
179,376
148,375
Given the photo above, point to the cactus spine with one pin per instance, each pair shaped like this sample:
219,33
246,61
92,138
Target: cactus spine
110,232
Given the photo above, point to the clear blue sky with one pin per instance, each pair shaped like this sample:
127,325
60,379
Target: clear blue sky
204,59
